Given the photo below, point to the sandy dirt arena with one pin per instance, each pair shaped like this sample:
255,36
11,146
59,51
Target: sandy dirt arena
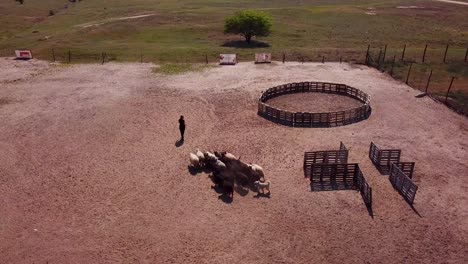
90,171
314,102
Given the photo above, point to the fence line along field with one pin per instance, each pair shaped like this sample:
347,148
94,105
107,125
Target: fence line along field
91,169
185,31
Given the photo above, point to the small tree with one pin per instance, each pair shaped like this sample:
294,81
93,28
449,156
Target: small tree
249,23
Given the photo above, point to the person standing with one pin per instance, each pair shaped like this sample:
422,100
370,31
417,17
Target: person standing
182,127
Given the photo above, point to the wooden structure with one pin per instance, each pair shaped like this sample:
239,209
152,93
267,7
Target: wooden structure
330,170
343,146
332,176
328,156
402,183
406,167
383,158
305,119
339,176
363,187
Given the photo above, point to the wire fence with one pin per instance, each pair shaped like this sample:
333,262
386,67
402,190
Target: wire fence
445,81
441,71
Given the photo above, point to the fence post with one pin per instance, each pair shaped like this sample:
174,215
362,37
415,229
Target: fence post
367,55
445,55
53,55
409,71
466,54
102,55
340,59
393,63
302,59
428,81
384,54
206,58
403,53
424,54
323,59
69,56
448,91
284,57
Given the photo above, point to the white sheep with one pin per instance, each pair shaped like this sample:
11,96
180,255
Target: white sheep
209,156
219,165
263,186
229,157
257,170
194,161
200,157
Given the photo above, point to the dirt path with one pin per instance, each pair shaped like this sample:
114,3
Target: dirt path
109,20
90,171
453,2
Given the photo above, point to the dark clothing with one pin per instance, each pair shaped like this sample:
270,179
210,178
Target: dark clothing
181,124
182,128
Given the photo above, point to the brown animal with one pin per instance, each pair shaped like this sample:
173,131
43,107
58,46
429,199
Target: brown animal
228,189
251,171
242,179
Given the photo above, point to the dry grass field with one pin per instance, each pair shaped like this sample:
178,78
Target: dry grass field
90,171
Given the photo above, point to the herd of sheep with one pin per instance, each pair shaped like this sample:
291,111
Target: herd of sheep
228,171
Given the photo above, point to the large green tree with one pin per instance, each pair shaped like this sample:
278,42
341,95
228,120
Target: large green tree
249,23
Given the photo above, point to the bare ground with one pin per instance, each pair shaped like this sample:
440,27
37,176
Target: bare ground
314,102
90,173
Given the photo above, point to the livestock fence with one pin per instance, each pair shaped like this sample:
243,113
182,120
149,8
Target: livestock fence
363,187
437,69
330,170
339,176
406,167
384,159
343,146
332,176
402,183
328,156
373,52
443,78
305,119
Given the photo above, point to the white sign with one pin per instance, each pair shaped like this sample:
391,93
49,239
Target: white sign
23,54
262,57
227,59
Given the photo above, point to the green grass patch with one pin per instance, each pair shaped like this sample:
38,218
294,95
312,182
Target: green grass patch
180,68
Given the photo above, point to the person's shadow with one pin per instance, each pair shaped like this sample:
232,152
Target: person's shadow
179,143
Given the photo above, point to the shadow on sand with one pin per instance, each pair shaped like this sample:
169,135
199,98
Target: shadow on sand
222,195
179,143
264,195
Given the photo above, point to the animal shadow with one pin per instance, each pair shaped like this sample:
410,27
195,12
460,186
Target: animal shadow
179,143
242,191
225,198
222,195
194,171
264,195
